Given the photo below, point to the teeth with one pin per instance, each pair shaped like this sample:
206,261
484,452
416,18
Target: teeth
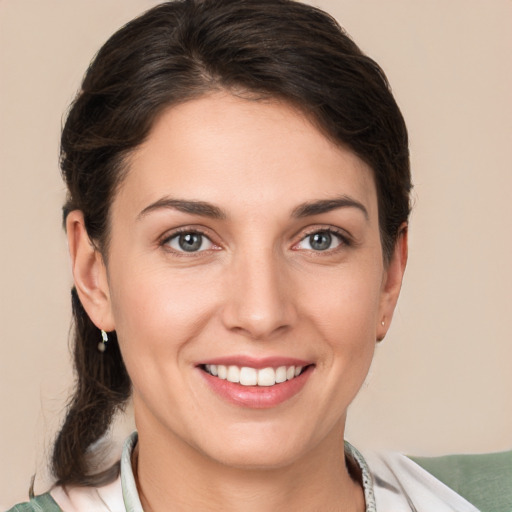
281,374
266,377
247,376
222,371
233,374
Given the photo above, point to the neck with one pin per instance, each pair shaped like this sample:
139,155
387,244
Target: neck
173,476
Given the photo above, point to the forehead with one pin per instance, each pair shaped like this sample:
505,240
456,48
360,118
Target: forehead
242,154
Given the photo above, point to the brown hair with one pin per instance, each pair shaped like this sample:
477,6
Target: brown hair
175,52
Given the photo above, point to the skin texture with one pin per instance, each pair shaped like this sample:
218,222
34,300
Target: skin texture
257,288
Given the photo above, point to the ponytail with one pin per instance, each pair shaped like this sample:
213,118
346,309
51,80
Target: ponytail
102,388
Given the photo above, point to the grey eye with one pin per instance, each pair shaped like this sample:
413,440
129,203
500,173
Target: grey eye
190,242
320,241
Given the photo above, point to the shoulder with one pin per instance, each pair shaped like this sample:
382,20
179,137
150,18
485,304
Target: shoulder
485,479
42,503
107,498
453,482
402,484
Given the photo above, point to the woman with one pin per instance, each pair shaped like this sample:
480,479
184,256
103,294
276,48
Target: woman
238,197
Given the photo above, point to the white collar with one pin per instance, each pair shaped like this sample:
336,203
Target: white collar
400,484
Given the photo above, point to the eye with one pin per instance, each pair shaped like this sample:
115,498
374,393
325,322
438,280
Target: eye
323,240
190,241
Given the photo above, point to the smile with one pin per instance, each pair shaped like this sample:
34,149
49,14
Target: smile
247,376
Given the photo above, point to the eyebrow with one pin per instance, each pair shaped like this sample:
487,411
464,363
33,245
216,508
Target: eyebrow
205,209
201,208
326,205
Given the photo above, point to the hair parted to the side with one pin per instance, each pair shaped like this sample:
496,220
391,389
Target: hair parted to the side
177,51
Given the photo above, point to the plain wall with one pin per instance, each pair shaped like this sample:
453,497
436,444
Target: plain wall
441,381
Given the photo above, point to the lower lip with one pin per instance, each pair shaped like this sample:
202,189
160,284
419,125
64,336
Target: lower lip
257,397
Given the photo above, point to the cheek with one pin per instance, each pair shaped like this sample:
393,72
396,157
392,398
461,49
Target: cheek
344,314
345,304
158,310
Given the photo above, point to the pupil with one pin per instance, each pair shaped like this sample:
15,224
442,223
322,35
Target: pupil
190,242
321,241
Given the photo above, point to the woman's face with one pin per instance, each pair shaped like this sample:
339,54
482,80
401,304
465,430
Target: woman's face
243,241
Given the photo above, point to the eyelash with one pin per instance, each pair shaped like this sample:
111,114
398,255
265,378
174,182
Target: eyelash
344,240
165,241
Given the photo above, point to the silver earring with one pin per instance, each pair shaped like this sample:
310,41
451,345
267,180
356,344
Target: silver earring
102,345
382,323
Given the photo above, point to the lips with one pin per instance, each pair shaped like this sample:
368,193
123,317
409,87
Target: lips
254,383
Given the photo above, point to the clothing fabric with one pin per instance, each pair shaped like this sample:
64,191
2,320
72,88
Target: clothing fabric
484,479
391,483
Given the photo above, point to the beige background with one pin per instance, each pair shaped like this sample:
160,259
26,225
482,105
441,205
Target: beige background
442,380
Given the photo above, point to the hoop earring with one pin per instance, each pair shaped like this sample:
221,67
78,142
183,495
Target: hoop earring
102,345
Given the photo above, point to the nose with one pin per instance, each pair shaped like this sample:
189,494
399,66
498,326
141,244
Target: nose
260,302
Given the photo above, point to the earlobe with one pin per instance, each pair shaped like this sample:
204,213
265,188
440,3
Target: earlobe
392,282
89,273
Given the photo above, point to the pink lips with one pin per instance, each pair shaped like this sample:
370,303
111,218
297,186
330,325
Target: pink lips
256,397
252,362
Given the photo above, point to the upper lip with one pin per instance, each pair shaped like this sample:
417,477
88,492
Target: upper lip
256,362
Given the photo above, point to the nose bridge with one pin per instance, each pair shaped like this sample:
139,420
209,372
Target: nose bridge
259,302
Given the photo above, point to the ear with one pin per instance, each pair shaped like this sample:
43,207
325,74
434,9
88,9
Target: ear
392,283
89,273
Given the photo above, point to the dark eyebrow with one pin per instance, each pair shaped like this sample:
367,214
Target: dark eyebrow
326,205
201,208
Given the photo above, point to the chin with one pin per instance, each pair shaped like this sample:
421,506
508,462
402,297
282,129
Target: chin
257,458
261,447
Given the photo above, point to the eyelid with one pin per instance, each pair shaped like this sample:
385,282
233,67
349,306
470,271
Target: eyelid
169,235
345,238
